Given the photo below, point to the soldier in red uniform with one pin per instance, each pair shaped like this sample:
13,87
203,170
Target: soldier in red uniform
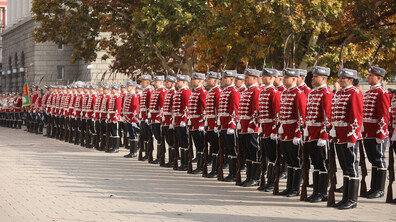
18,111
144,104
167,126
113,118
346,120
130,112
269,107
45,99
72,116
211,111
103,115
317,122
240,83
30,115
375,129
97,135
38,122
155,115
77,112
301,82
278,83
248,127
84,117
227,119
122,129
196,107
66,112
57,107
180,115
291,119
51,120
90,114
62,114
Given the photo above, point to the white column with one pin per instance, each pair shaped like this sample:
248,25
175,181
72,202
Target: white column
30,6
18,9
25,8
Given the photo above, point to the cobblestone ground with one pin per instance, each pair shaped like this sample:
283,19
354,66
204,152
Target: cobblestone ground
44,179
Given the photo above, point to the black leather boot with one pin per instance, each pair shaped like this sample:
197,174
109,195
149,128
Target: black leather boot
296,183
315,178
183,159
146,151
322,190
171,156
255,176
232,162
150,148
284,169
157,159
344,193
380,185
215,167
289,182
248,173
271,178
352,195
132,149
200,158
373,183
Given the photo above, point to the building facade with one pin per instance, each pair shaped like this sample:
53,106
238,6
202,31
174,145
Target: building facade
42,63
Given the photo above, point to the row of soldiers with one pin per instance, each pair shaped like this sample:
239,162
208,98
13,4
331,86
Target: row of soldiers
253,119
11,110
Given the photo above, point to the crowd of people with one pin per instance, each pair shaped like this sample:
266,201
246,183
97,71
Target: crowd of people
267,123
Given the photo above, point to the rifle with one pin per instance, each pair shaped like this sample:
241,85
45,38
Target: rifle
220,175
107,137
175,159
305,166
391,169
363,186
332,165
205,157
239,156
141,143
162,148
190,153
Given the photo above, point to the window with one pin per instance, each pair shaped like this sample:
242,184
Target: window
61,72
60,47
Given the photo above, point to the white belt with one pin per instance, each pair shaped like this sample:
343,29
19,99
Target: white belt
309,123
245,117
369,120
195,116
339,124
154,111
288,121
266,120
168,113
143,109
111,112
127,113
178,114
211,116
224,114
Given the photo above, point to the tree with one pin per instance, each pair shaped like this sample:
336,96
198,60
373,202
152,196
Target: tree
158,36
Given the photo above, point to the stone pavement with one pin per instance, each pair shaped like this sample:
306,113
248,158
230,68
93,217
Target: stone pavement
44,179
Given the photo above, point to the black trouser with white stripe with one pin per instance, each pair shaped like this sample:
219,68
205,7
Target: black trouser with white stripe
347,157
375,153
318,155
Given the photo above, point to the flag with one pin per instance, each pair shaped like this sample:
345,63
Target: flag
25,94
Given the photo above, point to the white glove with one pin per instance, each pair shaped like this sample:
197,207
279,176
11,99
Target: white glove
349,145
182,124
216,130
157,121
135,125
163,119
296,141
230,131
321,142
201,128
171,126
273,136
250,130
260,130
379,141
147,122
